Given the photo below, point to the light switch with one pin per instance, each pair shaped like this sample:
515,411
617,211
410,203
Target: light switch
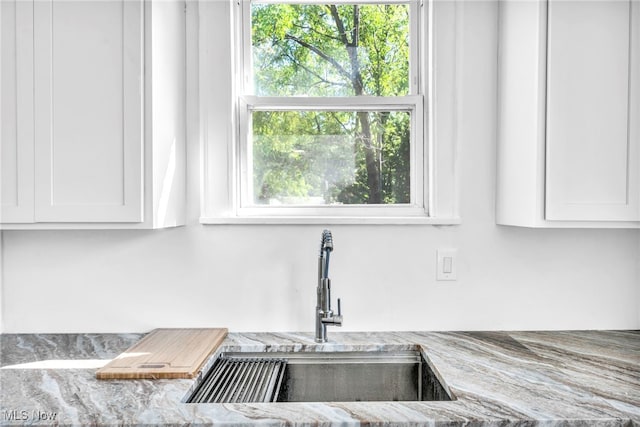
446,264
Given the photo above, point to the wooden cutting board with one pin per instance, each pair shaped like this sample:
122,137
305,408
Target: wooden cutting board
165,353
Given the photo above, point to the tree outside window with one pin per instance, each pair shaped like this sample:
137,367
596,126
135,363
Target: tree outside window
332,151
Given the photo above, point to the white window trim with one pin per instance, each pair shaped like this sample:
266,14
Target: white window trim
218,128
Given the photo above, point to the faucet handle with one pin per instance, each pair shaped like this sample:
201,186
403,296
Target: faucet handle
333,319
337,320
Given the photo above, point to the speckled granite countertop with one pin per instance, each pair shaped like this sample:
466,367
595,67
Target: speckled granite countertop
589,378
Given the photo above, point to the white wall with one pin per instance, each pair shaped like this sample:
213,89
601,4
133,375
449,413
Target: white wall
262,278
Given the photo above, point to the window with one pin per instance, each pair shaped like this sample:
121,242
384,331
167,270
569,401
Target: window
329,112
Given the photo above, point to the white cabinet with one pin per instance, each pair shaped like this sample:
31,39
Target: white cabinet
16,112
88,59
99,141
569,114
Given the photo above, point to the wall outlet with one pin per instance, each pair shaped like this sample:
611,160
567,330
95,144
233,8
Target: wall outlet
446,264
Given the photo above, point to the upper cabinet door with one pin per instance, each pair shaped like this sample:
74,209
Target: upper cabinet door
593,113
88,111
16,112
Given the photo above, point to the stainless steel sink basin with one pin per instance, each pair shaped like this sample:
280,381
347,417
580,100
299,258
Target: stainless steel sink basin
322,377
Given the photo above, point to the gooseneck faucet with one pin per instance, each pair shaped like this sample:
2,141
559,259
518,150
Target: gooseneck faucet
324,314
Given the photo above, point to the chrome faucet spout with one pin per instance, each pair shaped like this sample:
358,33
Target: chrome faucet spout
324,314
326,246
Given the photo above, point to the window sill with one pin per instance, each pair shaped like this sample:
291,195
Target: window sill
330,220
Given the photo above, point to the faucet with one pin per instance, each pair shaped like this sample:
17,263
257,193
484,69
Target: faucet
324,314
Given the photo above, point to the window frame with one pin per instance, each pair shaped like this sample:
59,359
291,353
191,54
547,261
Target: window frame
410,104
248,102
220,124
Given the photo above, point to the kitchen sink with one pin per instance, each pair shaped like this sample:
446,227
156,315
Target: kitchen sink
321,377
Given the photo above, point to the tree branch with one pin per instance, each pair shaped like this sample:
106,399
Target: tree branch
321,54
320,33
355,32
355,77
313,73
339,24
335,117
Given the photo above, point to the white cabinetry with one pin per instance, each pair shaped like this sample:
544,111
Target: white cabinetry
569,114
93,122
16,112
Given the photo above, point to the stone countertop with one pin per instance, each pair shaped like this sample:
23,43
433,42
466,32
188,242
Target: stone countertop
498,379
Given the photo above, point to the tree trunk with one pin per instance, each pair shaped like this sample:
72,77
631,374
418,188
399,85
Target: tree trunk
371,158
